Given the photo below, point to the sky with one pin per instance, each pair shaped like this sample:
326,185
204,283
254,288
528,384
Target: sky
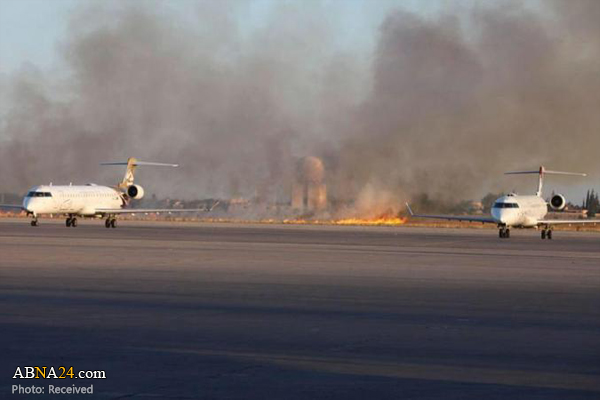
31,30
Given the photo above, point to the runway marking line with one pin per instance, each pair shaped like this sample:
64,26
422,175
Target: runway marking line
197,245
480,375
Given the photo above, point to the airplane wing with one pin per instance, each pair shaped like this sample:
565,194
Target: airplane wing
154,210
468,218
148,210
568,221
12,207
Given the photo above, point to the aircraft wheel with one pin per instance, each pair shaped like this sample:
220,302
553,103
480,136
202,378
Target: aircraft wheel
507,234
549,235
68,222
500,234
543,234
74,222
34,222
113,223
107,223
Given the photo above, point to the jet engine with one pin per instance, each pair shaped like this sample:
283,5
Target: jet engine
135,192
558,202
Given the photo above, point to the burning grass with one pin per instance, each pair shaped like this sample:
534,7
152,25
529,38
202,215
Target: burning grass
381,221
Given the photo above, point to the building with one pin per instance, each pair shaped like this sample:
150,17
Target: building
309,192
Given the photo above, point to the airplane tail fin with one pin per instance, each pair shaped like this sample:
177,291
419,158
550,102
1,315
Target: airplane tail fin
131,164
541,172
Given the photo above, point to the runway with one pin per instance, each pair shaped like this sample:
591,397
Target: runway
224,311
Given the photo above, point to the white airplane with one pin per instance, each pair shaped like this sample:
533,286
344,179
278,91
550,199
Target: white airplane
89,201
515,211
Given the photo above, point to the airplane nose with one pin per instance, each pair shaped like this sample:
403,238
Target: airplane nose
502,217
28,206
506,218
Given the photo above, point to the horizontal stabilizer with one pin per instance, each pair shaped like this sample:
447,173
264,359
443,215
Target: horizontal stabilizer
138,163
545,172
131,164
541,172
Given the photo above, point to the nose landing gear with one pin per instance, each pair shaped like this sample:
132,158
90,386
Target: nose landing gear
34,221
504,232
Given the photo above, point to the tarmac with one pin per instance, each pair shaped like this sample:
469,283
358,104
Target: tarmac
226,311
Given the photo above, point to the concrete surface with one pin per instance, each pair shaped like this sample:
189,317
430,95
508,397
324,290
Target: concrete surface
286,312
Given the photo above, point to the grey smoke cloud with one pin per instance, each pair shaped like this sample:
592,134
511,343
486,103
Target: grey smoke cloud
453,108
444,105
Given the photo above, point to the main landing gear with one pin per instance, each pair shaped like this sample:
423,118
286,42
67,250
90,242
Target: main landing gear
110,222
547,233
71,222
504,232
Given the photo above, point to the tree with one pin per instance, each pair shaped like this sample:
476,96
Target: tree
592,203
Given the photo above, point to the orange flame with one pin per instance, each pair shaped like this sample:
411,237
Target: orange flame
380,221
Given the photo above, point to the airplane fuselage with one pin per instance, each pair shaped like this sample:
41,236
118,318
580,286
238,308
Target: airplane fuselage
90,200
81,200
519,211
514,211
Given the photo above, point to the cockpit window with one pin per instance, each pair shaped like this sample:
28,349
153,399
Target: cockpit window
500,204
39,194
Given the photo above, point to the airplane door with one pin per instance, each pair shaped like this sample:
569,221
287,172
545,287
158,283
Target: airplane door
66,205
